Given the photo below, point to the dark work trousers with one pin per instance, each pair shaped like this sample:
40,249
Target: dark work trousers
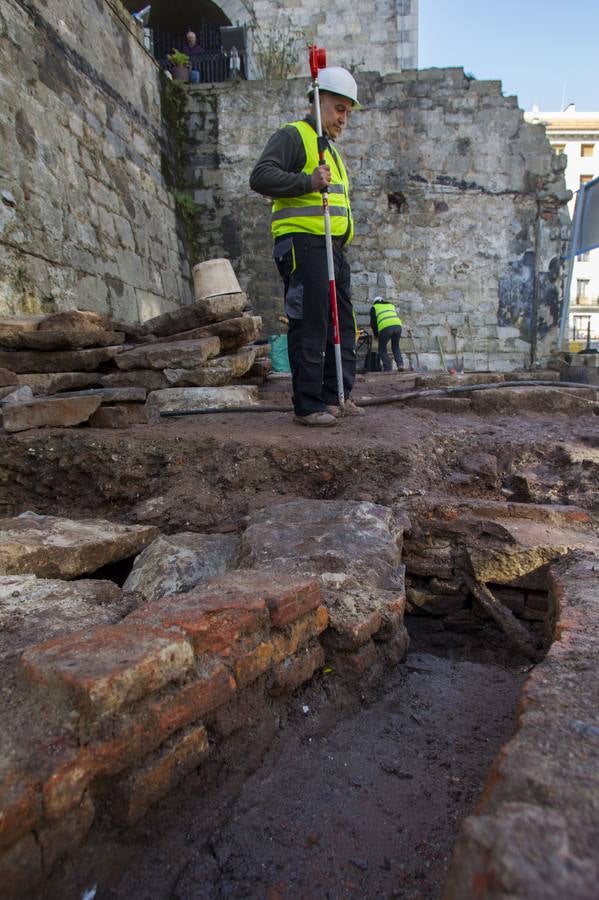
302,263
393,333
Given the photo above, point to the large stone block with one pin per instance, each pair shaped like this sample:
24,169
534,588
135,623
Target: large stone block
66,548
176,563
32,607
48,412
187,399
59,340
54,383
197,314
23,361
169,355
339,539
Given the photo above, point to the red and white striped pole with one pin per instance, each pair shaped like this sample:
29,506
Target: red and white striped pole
318,60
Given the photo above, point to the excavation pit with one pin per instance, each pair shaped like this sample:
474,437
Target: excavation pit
287,802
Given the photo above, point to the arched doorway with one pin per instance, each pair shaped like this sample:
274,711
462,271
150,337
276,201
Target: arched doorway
170,20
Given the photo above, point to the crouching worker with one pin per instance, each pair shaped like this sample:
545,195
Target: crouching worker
386,325
288,171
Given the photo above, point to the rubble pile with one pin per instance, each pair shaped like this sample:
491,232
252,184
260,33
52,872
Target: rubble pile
78,366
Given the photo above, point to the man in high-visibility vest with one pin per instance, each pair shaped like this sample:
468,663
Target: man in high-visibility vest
288,171
386,325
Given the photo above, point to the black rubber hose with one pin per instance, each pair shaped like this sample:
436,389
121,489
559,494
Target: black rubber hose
380,401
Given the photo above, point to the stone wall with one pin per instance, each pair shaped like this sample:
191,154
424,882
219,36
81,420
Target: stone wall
459,206
86,218
381,35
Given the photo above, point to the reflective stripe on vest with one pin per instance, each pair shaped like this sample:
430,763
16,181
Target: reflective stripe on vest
386,315
304,214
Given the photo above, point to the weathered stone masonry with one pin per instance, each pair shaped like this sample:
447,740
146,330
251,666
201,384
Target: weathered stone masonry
458,205
86,218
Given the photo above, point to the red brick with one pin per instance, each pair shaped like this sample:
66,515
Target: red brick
102,670
286,598
392,617
352,665
19,806
349,632
76,768
214,688
286,642
161,773
292,672
253,663
214,620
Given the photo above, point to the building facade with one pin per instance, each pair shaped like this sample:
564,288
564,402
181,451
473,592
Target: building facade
576,135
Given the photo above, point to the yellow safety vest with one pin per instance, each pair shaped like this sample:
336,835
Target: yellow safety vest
386,315
293,214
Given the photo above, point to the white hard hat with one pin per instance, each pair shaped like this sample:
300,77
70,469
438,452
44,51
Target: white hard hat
379,299
337,80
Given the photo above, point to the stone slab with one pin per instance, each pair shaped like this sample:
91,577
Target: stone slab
23,361
232,333
112,394
51,547
196,314
177,563
217,372
32,607
169,355
49,412
148,379
185,399
344,539
54,383
59,340
74,320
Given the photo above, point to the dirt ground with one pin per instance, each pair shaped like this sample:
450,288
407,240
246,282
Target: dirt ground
328,799
205,473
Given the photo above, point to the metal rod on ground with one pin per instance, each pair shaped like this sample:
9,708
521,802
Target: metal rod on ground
380,401
318,61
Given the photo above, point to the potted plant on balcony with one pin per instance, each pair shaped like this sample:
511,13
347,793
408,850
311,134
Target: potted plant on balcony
181,64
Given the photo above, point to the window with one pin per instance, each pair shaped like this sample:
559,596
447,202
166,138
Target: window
559,148
580,327
587,149
584,179
582,285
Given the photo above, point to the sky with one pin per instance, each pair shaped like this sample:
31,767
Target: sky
544,52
